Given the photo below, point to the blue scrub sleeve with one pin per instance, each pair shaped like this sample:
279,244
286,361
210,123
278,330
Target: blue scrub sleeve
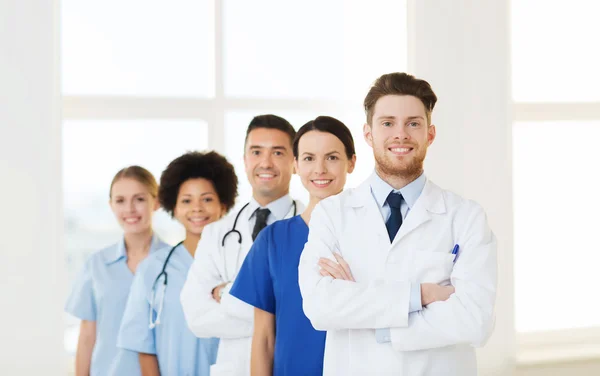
126,362
82,302
135,333
253,283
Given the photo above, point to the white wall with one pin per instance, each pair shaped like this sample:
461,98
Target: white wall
31,270
461,47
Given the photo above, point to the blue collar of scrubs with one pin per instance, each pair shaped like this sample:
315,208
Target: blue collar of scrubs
121,250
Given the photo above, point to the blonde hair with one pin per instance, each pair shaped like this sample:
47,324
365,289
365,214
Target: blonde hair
139,174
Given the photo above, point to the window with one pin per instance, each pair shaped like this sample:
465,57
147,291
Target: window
143,82
555,89
89,169
311,49
279,49
555,193
554,61
137,48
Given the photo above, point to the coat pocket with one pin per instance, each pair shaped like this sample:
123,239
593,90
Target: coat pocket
432,267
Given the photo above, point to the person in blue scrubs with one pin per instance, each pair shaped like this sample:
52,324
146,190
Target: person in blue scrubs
196,189
100,292
268,280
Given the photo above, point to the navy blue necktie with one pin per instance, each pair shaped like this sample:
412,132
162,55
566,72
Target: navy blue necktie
395,221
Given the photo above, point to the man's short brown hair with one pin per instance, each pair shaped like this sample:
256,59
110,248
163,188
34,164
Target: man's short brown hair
400,84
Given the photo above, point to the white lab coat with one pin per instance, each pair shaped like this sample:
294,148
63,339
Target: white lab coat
231,320
436,341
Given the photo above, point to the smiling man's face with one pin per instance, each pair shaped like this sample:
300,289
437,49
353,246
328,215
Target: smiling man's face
269,163
399,135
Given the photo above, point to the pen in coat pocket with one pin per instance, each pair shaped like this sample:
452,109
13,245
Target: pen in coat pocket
455,252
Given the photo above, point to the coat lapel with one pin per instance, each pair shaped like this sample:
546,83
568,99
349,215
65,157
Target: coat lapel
431,201
365,207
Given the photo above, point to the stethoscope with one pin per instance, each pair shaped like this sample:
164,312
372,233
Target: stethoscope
239,234
164,289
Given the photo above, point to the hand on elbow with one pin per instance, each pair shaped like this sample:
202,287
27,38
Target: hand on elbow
336,270
217,292
430,292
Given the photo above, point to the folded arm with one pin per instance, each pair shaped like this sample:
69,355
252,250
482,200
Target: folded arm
331,303
467,317
205,316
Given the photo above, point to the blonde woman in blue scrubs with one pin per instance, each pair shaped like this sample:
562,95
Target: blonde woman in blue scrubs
100,292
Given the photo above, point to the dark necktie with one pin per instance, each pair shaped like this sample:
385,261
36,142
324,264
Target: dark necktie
395,221
261,221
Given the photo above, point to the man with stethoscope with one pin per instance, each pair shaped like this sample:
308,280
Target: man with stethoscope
209,309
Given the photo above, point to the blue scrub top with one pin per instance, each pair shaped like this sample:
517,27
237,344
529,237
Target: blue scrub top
268,280
100,294
178,350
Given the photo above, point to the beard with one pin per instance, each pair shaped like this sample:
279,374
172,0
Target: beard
405,168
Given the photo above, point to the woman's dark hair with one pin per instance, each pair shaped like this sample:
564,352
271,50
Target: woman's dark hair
211,166
327,124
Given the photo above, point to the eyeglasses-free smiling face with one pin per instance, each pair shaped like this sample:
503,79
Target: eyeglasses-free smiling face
197,205
322,163
399,135
133,205
269,163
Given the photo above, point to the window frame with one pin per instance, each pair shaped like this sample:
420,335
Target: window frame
211,110
556,346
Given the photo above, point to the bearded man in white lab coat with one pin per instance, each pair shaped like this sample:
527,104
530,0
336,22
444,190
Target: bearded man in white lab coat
399,272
